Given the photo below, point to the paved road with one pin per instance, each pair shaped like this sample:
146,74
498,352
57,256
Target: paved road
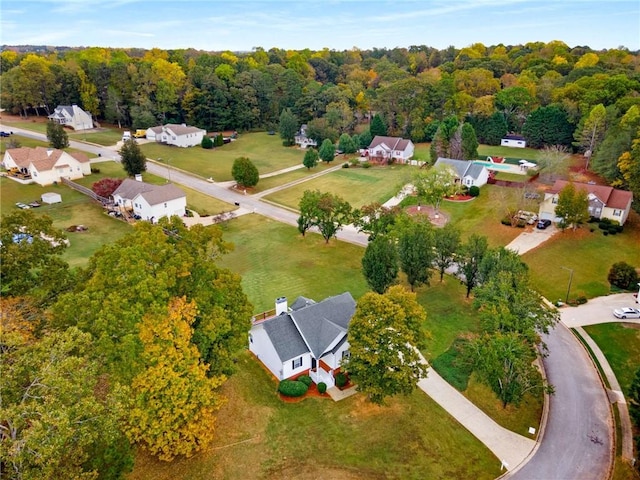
577,442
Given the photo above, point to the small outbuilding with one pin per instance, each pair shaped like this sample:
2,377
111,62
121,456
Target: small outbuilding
51,197
512,140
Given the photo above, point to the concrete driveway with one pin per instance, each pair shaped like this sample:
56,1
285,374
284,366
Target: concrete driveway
531,238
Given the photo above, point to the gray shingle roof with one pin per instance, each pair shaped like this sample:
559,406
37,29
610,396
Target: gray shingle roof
461,167
153,194
301,302
313,327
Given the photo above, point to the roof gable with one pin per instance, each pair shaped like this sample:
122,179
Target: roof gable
43,159
285,337
180,130
611,197
390,143
153,194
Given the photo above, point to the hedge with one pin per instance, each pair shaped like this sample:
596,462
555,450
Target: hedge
306,379
292,388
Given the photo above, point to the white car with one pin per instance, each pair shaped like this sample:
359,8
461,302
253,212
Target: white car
626,312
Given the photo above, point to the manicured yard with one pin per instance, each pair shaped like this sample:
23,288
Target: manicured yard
100,136
35,124
284,178
358,186
265,151
259,436
23,141
589,254
620,343
507,152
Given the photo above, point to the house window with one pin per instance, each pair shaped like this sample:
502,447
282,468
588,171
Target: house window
296,363
165,205
250,338
346,355
555,200
617,213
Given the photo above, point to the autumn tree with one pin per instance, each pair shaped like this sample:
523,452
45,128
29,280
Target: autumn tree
380,263
55,422
174,402
384,360
244,172
446,241
106,186
552,162
288,126
514,103
327,151
572,207
375,219
623,275
56,135
310,159
132,158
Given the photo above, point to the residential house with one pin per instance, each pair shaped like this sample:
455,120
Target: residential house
150,202
45,166
72,116
512,140
391,148
467,172
604,201
307,338
302,140
178,135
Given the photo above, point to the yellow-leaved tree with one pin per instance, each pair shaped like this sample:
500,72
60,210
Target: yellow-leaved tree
173,401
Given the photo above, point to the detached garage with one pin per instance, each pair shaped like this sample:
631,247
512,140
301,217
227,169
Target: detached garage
51,197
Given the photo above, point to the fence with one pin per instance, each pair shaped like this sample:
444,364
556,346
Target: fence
84,190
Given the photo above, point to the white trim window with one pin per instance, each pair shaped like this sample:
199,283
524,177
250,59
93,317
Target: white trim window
296,363
617,213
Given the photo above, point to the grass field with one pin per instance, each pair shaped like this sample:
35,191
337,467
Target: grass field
100,136
589,254
620,343
265,151
259,436
358,186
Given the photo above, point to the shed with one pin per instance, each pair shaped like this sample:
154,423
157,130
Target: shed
51,197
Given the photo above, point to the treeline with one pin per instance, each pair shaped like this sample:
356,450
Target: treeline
546,91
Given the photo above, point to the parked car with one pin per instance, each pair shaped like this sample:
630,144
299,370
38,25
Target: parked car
542,224
626,312
5,134
528,217
23,206
34,204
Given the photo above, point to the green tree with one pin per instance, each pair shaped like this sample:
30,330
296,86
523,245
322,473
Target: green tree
416,252
548,126
54,424
307,206
435,184
346,144
244,172
288,126
514,104
207,142
365,139
446,241
384,361
552,162
591,131
310,159
327,151
623,275
218,141
375,219
629,167
31,250
173,400
378,126
469,260
504,362
572,207
380,263
132,158
634,398
332,213
56,135
469,142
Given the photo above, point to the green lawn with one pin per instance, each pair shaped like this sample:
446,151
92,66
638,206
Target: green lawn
23,141
358,186
589,254
35,124
284,178
265,151
412,437
100,136
507,152
620,343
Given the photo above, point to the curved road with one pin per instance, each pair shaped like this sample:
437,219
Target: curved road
577,442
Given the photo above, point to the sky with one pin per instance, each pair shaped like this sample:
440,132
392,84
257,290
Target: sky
239,25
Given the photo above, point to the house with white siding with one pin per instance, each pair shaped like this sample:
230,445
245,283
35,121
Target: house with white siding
302,140
467,172
391,148
150,202
306,338
178,135
72,116
513,140
45,166
604,201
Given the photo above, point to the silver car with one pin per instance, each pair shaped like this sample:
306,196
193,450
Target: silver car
626,312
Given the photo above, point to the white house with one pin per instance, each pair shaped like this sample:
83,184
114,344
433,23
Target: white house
604,201
308,338
178,135
150,202
513,140
468,173
45,166
72,116
302,140
391,148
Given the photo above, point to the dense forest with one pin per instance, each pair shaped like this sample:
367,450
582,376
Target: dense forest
553,94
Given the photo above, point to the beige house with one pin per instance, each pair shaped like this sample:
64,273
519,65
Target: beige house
45,166
72,116
604,202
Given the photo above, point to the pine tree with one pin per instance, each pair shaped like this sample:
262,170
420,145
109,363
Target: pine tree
57,136
133,160
378,127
